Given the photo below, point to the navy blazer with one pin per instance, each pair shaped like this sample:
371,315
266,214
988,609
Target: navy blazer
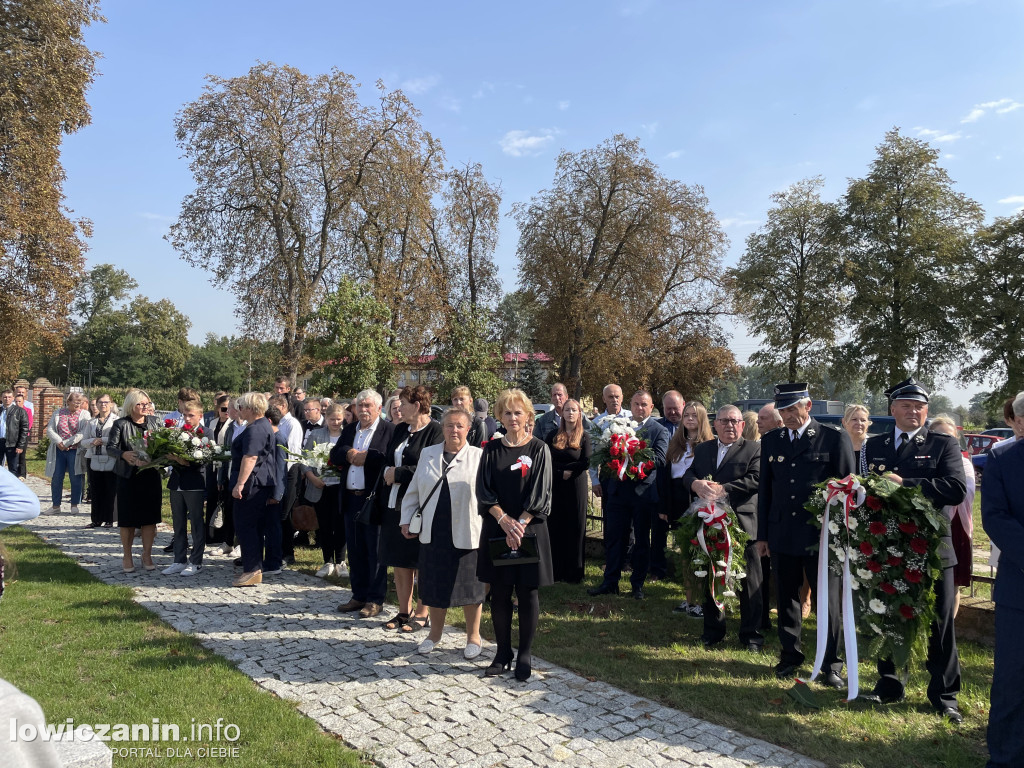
739,474
932,462
789,472
1002,515
647,489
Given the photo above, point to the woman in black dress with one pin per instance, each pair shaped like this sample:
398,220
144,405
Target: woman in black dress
415,432
570,489
139,491
514,492
443,491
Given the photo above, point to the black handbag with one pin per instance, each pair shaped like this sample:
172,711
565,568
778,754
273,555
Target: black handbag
368,512
502,554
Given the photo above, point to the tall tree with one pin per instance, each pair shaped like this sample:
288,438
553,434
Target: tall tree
466,357
297,181
907,232
513,322
992,309
789,283
349,338
45,71
615,253
466,234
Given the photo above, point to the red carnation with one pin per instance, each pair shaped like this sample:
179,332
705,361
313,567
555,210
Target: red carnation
874,503
640,471
648,465
894,561
722,545
199,431
170,423
874,566
908,528
919,545
695,542
906,612
876,527
187,427
643,444
615,465
913,575
888,588
614,450
866,549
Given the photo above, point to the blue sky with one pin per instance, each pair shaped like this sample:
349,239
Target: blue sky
741,98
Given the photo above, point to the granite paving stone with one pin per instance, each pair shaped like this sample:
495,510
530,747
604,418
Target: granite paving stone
375,692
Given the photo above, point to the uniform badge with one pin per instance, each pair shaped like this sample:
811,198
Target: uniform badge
781,458
881,467
871,467
771,459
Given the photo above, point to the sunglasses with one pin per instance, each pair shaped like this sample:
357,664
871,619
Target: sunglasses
223,410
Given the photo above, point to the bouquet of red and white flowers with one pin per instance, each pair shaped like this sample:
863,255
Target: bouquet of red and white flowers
713,548
618,452
888,537
160,447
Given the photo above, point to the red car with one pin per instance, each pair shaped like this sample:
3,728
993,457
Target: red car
977,444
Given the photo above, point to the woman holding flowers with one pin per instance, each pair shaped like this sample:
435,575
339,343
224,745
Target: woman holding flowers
187,487
570,491
139,492
322,492
673,493
415,432
513,489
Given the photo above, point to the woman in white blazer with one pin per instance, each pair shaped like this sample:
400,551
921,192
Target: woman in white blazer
442,495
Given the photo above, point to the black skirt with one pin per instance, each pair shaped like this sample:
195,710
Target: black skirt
447,576
394,549
139,498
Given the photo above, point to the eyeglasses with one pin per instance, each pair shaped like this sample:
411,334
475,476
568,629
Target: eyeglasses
733,422
223,410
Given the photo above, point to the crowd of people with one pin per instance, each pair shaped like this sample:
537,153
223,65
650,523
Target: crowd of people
472,508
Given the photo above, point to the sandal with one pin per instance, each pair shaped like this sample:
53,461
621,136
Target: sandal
415,624
397,621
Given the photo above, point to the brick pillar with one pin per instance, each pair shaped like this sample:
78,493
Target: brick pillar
48,402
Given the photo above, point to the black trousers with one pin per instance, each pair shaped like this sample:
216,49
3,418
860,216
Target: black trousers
943,662
287,532
623,513
659,542
1006,715
789,573
751,598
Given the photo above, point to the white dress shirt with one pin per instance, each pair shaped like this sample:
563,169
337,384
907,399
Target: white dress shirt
356,478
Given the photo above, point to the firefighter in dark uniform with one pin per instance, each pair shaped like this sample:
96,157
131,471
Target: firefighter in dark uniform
793,460
910,455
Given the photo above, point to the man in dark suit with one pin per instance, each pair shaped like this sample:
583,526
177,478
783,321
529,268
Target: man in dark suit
548,424
14,439
632,503
672,404
1002,514
360,452
734,466
911,456
793,460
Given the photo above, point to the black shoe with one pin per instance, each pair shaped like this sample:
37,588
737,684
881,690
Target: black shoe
238,561
523,667
638,594
831,679
952,714
784,670
711,642
500,664
603,589
875,697
752,647
289,560
169,548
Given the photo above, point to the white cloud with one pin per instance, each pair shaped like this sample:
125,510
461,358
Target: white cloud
525,143
420,84
1012,200
651,128
1001,107
563,105
675,154
484,89
943,137
737,221
451,103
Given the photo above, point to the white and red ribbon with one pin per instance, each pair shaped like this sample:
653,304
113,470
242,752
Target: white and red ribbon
713,517
849,494
524,464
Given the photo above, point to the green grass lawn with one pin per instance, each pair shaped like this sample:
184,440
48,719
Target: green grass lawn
84,649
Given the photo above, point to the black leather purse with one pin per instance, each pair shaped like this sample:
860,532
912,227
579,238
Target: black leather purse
368,512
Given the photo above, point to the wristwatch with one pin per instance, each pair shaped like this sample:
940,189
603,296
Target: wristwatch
523,522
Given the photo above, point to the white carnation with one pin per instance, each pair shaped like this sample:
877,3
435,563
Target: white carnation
853,523
606,434
841,554
877,606
700,574
833,528
721,564
184,437
197,454
864,574
741,575
728,593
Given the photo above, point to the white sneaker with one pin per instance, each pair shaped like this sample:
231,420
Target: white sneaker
74,509
327,570
236,552
173,568
54,510
191,570
341,571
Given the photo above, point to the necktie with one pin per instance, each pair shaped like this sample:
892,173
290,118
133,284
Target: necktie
792,435
904,437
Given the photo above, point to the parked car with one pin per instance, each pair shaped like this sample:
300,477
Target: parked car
1003,433
879,424
979,444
